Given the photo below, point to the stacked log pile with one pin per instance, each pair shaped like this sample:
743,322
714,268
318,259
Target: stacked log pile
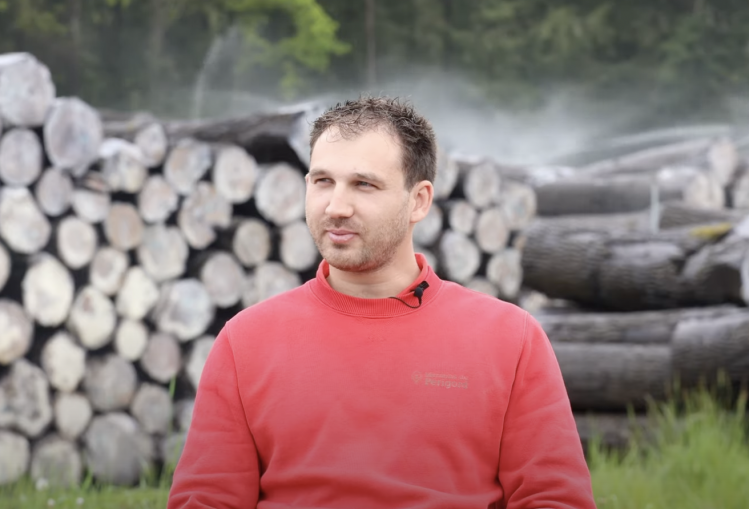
126,242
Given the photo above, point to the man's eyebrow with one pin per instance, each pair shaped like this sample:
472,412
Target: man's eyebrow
317,172
369,176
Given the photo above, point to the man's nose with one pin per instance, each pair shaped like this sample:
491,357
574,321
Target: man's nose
340,204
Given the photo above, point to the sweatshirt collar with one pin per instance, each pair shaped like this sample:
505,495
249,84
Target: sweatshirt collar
376,308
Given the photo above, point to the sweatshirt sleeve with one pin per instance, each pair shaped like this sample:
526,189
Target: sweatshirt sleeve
218,467
541,462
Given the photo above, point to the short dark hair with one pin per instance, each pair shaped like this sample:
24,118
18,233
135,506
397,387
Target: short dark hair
413,131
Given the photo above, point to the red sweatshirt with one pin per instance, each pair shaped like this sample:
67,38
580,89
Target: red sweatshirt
316,399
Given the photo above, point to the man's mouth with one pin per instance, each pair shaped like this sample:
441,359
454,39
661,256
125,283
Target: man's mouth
340,236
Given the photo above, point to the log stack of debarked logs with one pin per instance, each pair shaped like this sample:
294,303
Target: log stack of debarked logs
127,241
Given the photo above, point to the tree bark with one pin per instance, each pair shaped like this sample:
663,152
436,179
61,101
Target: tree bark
234,174
76,242
92,318
26,90
110,383
20,157
163,253
64,362
138,294
47,291
635,327
162,358
54,192
184,309
280,194
152,408
157,200
673,215
131,339
17,329
23,226
72,134
459,256
616,430
72,412
612,376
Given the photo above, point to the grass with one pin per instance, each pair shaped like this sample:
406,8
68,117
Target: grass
697,459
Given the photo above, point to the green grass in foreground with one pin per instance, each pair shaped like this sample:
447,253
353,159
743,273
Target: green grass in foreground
698,460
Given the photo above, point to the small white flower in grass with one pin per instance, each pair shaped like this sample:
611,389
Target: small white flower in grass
42,484
79,500
51,502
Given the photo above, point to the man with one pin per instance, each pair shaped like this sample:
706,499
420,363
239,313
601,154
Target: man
377,384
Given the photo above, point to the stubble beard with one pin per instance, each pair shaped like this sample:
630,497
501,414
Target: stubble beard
372,250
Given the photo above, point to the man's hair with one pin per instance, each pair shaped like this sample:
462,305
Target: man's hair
413,132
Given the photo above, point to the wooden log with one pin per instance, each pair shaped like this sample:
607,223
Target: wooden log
56,462
5,266
163,252
251,242
92,318
23,227
427,231
117,451
54,192
157,200
73,413
628,272
25,392
91,205
138,294
272,278
739,190
171,447
110,382
201,214
184,309
482,185
20,157
76,242
222,276
123,227
186,164
196,361
673,215
702,348
714,274
280,194
234,174
14,457
459,256
576,223
430,257
518,204
298,250
447,175
162,358
482,285
505,270
629,193
635,327
130,339
615,430
183,411
462,217
72,134
17,329
64,362
123,165
723,160
107,270
612,376
26,90
492,232
152,408
47,290
153,144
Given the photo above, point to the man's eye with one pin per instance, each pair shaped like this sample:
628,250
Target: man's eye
322,181
364,184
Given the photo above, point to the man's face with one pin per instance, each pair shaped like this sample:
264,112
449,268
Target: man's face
358,209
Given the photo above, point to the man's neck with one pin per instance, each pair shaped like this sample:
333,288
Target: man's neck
386,281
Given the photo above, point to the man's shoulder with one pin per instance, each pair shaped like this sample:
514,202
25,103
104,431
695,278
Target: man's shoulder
271,309
463,296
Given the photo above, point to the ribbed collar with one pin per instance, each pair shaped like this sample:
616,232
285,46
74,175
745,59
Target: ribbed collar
376,308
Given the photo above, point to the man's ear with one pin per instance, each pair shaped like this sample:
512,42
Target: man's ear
422,195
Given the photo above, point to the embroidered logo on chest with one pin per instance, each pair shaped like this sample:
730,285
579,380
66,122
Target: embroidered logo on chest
445,380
